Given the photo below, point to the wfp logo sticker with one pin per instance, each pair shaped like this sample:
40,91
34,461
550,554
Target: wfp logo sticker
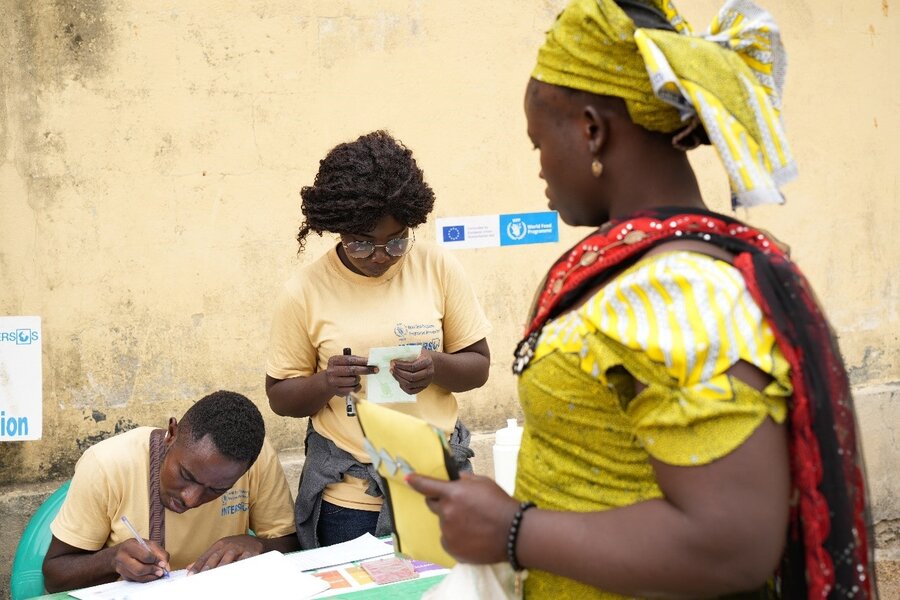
516,229
529,228
21,337
454,233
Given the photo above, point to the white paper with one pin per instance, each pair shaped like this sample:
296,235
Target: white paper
121,589
364,547
469,232
269,575
382,387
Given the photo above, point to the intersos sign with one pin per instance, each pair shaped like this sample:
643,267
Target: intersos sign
21,399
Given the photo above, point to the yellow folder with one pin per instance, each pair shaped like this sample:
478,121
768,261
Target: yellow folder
399,444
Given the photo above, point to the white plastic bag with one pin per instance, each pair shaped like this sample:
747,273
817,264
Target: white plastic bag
488,582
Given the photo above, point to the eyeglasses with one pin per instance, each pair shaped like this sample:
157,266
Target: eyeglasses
396,247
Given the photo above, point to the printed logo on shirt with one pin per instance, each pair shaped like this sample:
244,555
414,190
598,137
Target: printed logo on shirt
235,501
427,334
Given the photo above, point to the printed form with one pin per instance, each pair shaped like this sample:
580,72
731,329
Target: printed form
382,387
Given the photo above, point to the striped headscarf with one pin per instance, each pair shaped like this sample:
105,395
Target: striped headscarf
728,80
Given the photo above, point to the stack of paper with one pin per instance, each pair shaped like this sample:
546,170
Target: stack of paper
269,575
364,547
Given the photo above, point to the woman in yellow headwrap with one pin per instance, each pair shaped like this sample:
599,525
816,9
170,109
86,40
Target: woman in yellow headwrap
689,430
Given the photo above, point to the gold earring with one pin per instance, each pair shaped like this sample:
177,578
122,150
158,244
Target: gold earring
596,167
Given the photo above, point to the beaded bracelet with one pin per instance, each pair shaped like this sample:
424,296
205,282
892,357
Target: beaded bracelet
514,535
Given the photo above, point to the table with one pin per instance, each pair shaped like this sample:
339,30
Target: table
349,580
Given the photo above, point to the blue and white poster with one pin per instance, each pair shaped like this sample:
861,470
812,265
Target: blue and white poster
488,231
21,379
529,228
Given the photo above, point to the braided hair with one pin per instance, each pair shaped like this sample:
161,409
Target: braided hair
361,182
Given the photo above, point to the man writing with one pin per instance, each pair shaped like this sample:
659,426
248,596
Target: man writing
165,482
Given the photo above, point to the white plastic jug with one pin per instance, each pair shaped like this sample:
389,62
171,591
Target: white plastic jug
506,454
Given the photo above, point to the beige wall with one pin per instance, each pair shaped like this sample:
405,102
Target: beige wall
151,155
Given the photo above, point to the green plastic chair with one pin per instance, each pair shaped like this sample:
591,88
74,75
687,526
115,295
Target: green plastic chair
27,578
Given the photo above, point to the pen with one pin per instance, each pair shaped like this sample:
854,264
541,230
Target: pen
140,540
351,412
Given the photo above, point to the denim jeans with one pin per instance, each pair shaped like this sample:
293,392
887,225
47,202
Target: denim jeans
338,524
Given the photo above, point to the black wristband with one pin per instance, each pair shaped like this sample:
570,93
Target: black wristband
514,535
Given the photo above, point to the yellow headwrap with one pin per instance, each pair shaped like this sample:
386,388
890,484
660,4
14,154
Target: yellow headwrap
730,79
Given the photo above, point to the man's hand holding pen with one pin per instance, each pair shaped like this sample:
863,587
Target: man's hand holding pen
141,562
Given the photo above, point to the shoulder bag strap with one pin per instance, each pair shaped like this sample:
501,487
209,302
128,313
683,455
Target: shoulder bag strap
157,515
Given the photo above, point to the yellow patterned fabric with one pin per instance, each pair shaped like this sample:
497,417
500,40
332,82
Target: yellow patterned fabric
730,79
676,322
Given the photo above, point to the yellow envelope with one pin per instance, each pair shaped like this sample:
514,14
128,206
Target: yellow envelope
399,444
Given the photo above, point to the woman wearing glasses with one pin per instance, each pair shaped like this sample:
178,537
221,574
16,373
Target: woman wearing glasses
377,287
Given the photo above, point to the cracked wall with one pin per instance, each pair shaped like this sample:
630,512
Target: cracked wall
151,156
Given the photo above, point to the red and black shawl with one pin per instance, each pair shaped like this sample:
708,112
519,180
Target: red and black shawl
829,551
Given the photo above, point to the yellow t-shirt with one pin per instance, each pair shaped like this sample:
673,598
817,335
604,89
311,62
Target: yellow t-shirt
425,298
676,322
111,481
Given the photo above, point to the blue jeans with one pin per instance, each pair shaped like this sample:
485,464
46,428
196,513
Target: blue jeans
338,524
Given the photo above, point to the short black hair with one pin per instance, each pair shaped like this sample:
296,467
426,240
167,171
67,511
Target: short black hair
231,420
361,182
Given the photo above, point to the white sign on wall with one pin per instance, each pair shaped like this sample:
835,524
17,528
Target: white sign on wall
487,231
21,381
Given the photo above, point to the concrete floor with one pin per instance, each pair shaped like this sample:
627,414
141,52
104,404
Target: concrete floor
888,571
19,502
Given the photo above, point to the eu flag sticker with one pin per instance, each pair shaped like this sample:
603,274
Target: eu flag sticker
454,233
529,228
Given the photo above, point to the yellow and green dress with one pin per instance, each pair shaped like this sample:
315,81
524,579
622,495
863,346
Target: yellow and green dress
676,322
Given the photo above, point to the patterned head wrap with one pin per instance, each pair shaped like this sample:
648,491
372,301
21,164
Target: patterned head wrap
728,80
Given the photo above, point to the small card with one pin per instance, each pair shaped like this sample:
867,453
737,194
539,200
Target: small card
389,570
382,387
